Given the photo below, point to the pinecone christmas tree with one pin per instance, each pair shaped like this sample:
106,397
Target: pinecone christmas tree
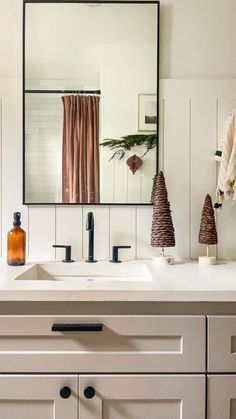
162,233
207,232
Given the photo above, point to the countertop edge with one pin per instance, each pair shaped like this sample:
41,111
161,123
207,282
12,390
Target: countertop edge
179,296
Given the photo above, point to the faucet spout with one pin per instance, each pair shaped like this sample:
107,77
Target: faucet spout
90,229
90,221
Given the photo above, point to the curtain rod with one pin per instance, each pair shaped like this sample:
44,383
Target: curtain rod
94,92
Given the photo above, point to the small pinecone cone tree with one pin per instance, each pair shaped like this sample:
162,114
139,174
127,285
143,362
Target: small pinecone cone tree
162,233
207,232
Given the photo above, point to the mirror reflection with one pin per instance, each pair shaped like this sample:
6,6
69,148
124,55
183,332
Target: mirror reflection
90,102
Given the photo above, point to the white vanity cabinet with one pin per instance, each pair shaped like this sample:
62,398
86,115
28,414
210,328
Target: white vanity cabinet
38,397
123,366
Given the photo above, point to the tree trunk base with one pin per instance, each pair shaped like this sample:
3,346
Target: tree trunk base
163,260
207,260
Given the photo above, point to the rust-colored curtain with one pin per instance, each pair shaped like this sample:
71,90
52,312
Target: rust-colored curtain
80,150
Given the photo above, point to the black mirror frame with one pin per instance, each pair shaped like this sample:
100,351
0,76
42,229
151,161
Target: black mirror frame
25,2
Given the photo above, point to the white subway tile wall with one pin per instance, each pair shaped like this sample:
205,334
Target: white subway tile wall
43,147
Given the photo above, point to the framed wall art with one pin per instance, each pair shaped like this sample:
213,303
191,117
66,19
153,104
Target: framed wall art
147,112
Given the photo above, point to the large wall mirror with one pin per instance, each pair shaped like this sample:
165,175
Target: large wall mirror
90,101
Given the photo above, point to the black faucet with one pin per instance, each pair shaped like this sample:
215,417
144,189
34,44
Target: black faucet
90,229
115,250
67,253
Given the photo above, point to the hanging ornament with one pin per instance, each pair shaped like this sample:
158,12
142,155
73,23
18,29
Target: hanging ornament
134,162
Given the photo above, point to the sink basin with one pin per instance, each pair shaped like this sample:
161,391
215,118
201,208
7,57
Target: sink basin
101,271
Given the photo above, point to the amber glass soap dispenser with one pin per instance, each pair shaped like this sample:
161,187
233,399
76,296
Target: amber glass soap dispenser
16,238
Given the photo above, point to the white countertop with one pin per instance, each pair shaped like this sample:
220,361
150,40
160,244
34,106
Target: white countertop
181,282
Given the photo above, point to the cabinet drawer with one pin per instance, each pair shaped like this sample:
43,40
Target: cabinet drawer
111,344
222,343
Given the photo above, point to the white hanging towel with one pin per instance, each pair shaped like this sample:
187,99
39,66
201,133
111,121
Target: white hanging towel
226,155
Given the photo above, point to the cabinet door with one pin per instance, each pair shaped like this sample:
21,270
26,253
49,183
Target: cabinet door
37,397
222,344
142,396
222,397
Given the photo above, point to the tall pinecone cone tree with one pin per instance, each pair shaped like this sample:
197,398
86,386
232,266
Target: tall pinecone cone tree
162,233
207,232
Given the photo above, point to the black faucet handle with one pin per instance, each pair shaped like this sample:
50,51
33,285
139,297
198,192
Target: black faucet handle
115,250
67,252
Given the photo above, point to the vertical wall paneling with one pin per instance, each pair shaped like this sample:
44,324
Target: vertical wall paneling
134,181
216,172
144,222
41,232
192,115
176,166
1,176
120,178
203,144
11,165
148,171
227,216
123,229
121,112
161,145
107,171
101,231
69,230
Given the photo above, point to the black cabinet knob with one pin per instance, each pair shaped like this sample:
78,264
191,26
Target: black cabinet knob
89,392
65,392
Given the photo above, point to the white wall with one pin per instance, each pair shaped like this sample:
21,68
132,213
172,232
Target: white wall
192,116
198,39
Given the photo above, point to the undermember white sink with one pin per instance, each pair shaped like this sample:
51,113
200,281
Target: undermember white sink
100,271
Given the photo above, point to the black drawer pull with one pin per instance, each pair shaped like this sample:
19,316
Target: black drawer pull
77,327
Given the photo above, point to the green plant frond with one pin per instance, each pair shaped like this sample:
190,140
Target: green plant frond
108,142
127,142
118,153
